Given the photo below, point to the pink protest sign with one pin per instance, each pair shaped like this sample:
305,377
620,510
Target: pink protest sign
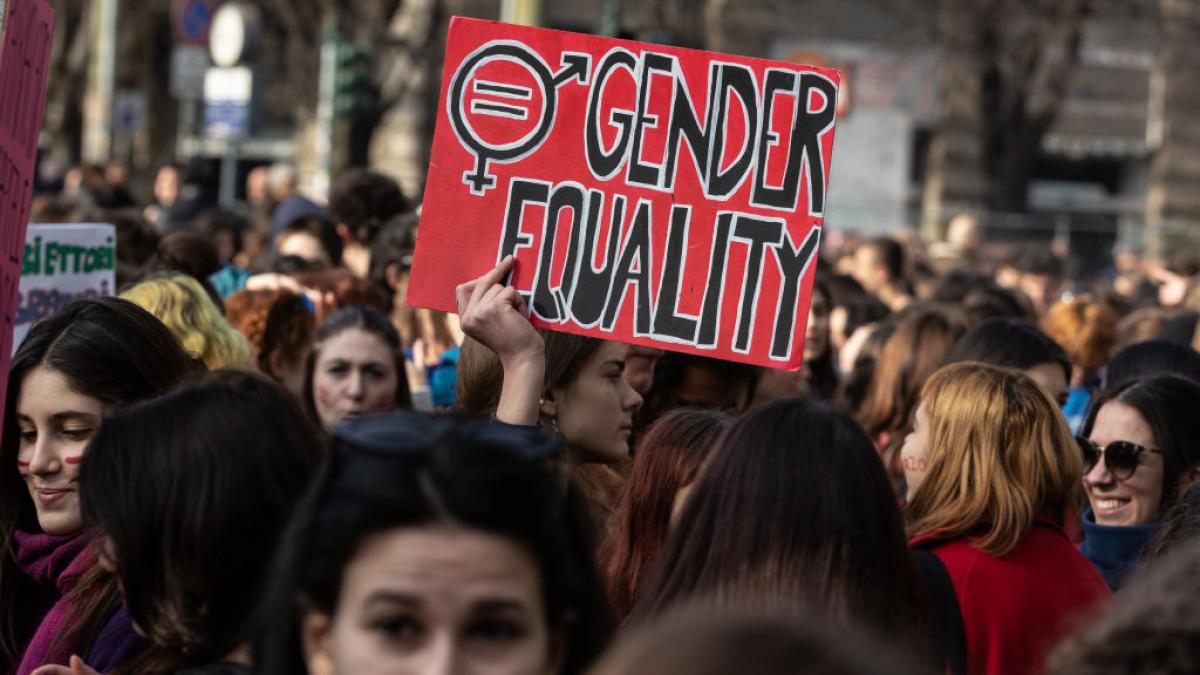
28,32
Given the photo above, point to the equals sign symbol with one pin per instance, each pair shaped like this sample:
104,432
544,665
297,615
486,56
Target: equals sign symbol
497,109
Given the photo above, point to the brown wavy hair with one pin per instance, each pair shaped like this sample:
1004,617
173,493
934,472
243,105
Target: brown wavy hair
1000,454
668,457
276,322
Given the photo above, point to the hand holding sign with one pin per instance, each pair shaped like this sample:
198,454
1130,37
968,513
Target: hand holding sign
496,316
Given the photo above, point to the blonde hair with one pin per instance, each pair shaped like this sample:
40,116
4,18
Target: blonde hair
182,304
999,455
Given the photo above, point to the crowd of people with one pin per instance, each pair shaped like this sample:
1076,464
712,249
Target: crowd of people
258,459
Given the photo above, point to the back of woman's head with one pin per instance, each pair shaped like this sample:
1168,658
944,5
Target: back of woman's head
1009,343
194,489
999,455
1170,405
406,471
667,459
479,375
277,323
182,304
1086,329
1153,357
793,507
923,337
1152,625
706,643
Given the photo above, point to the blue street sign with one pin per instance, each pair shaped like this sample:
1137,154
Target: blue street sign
226,119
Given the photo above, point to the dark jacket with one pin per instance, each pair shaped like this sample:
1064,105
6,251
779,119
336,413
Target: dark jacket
1115,550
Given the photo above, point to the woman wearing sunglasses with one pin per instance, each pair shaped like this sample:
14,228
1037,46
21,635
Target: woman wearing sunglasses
991,470
1141,449
434,546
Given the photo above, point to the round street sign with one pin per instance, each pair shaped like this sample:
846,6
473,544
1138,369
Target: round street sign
192,19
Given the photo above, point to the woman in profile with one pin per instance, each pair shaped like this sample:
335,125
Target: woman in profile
88,360
993,474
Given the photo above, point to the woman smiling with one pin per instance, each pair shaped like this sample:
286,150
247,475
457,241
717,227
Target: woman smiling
90,359
1141,449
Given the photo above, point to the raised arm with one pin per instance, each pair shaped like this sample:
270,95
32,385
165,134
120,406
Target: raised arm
497,317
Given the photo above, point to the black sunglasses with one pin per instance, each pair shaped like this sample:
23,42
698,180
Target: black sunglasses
1120,457
403,434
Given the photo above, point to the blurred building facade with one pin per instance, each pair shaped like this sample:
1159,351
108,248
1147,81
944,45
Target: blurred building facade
1121,161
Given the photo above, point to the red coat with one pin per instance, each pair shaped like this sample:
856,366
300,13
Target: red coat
1016,608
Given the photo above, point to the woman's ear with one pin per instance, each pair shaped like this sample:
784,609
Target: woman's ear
315,630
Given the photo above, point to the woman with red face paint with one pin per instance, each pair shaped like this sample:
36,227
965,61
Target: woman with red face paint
567,383
73,368
1141,450
356,367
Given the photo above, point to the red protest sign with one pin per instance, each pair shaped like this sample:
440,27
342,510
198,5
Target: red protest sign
28,31
653,195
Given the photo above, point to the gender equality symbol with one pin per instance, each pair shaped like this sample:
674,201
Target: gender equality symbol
574,66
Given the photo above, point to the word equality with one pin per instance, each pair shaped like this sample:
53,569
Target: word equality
592,297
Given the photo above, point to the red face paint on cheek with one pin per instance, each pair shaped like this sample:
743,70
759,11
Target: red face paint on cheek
324,396
73,461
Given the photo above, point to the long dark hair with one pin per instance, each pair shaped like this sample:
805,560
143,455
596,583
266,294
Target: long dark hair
1170,404
1009,343
466,472
793,507
108,349
182,483
1152,357
364,319
668,457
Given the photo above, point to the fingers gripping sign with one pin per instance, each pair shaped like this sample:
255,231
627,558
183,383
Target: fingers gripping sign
496,315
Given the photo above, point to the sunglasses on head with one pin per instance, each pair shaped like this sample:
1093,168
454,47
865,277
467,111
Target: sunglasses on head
1120,457
410,434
